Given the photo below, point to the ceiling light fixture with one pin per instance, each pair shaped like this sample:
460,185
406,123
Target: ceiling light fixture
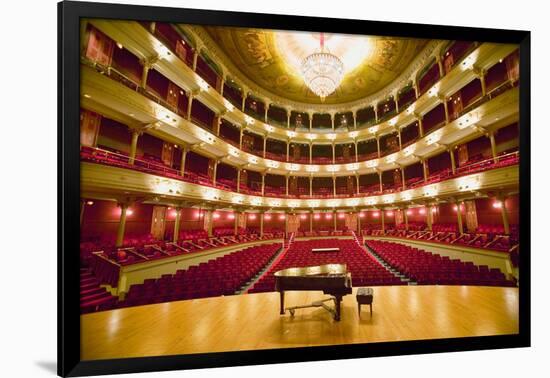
322,71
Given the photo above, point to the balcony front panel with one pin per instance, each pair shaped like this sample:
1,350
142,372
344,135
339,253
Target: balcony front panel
102,181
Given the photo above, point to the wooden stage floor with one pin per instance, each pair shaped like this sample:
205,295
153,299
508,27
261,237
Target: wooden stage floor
248,322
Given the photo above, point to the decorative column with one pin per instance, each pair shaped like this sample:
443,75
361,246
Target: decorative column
265,112
241,138
396,103
356,151
440,66
195,58
416,89
236,222
333,153
382,219
261,224
493,146
459,217
378,146
217,125
354,120
399,137
504,210
189,105
263,184
357,181
311,221
424,170
286,184
183,158
177,225
288,150
215,172
287,119
375,113
481,76
144,74
265,144
403,178
209,219
286,225
380,181
238,180
310,185
133,146
332,120
334,186
429,217
121,224
243,103
453,163
310,152
420,127
446,107
310,121
334,219
222,84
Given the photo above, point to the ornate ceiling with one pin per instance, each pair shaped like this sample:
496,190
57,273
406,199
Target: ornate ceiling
271,60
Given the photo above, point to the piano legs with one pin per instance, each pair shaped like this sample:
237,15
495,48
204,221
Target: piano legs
334,311
282,302
337,302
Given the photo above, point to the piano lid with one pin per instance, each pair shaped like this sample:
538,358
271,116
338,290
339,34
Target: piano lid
312,271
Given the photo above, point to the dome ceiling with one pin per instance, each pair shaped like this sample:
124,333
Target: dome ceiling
271,59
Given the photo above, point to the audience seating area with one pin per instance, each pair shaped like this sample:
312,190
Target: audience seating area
364,269
430,269
485,236
221,276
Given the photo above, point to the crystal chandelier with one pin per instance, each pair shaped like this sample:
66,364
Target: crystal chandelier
322,71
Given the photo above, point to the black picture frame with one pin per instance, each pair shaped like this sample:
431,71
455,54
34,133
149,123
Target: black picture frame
69,14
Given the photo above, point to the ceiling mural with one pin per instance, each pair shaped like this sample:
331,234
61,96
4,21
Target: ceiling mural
272,59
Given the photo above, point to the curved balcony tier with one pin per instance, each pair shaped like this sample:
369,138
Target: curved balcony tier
156,55
117,179
103,94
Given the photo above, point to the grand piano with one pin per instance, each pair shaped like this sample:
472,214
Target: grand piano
331,279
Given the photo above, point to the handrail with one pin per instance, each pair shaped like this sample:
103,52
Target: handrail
95,154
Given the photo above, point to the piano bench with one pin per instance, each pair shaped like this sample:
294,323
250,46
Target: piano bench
364,297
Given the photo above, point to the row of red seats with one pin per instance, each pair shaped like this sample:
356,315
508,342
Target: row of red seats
221,276
429,269
364,269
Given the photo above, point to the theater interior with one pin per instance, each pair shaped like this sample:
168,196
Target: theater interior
229,172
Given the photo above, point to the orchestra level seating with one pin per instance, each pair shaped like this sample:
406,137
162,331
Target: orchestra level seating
364,269
426,268
221,276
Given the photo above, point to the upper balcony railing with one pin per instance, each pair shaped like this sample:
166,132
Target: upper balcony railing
117,159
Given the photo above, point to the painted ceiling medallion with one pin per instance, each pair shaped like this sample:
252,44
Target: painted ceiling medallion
272,59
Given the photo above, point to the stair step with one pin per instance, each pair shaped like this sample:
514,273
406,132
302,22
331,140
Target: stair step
88,286
92,291
94,297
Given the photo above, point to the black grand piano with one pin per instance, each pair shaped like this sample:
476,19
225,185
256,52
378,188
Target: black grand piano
331,279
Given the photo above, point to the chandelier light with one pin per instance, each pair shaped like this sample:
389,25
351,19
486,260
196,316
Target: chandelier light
322,71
